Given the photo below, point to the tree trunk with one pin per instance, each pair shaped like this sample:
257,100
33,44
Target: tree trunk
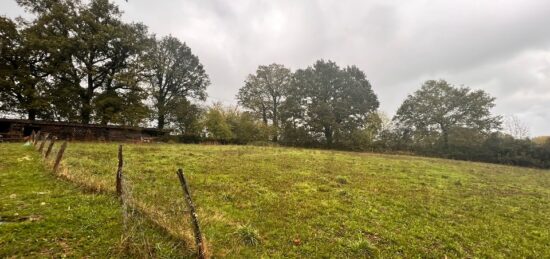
275,121
31,114
445,139
86,111
264,116
161,120
328,136
161,110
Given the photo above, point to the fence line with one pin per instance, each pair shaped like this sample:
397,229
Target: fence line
119,191
35,138
59,156
43,142
50,146
120,185
194,218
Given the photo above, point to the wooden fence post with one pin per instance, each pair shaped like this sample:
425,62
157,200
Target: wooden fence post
43,142
119,172
59,156
32,136
36,138
50,146
196,227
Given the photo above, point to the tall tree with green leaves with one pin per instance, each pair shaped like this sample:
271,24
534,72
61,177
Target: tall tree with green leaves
174,75
125,73
329,101
216,123
186,117
95,53
23,70
439,107
264,92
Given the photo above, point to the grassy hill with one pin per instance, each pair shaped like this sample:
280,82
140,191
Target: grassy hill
285,202
44,217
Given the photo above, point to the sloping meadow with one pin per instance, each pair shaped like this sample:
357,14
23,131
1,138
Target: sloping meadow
285,202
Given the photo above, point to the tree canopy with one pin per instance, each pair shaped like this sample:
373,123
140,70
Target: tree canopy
438,108
78,61
264,92
90,60
328,101
23,69
174,75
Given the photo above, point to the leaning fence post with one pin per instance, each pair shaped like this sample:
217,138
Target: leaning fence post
32,136
119,172
43,142
198,235
59,156
52,141
36,138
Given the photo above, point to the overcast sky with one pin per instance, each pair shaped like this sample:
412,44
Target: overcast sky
502,47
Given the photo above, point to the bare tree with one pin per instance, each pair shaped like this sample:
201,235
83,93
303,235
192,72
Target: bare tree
515,127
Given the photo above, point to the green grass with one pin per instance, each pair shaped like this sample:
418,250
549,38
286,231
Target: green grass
285,202
42,216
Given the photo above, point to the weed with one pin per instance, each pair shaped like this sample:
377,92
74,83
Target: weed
342,179
248,235
363,247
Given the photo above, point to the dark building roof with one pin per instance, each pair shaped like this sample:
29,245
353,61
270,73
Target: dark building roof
14,129
80,125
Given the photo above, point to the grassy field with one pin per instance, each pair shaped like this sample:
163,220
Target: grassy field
42,216
284,202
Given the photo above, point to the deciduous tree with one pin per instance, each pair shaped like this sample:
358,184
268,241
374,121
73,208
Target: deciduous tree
329,101
94,55
23,69
438,107
174,74
264,92
513,126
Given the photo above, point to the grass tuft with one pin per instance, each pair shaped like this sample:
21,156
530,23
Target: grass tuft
342,179
363,247
248,235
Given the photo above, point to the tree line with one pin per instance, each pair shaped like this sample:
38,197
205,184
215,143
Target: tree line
325,106
79,62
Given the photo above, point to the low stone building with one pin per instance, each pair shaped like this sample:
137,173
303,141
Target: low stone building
13,129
